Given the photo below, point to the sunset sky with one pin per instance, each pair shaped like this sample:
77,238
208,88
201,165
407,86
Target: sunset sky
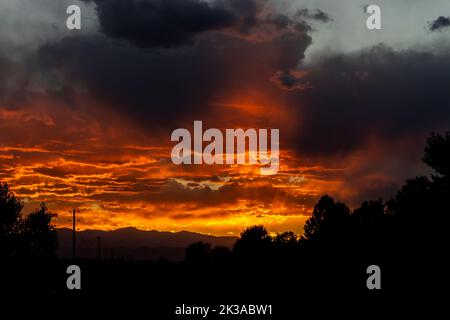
86,115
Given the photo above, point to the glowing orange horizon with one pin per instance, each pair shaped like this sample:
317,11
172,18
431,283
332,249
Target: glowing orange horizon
119,175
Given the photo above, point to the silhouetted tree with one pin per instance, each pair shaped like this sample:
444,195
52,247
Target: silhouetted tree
371,230
221,254
40,234
198,252
286,245
254,243
286,238
33,235
437,156
437,153
328,222
371,213
10,221
412,200
420,208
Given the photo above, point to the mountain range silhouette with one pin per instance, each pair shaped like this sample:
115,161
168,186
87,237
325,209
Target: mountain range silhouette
134,244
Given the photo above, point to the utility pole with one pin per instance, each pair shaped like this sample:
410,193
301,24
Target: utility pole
73,232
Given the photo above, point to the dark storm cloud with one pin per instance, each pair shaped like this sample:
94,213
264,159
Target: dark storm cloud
242,43
377,92
343,99
14,79
168,23
290,80
440,23
317,14
161,22
160,86
6,67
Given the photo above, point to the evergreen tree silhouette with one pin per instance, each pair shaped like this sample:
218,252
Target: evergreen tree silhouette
10,221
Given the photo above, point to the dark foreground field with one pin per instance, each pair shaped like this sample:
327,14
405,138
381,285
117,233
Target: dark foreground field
293,288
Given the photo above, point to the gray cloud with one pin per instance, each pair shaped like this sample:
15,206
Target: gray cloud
440,23
27,25
375,92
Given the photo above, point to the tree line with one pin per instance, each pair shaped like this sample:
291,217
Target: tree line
409,225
